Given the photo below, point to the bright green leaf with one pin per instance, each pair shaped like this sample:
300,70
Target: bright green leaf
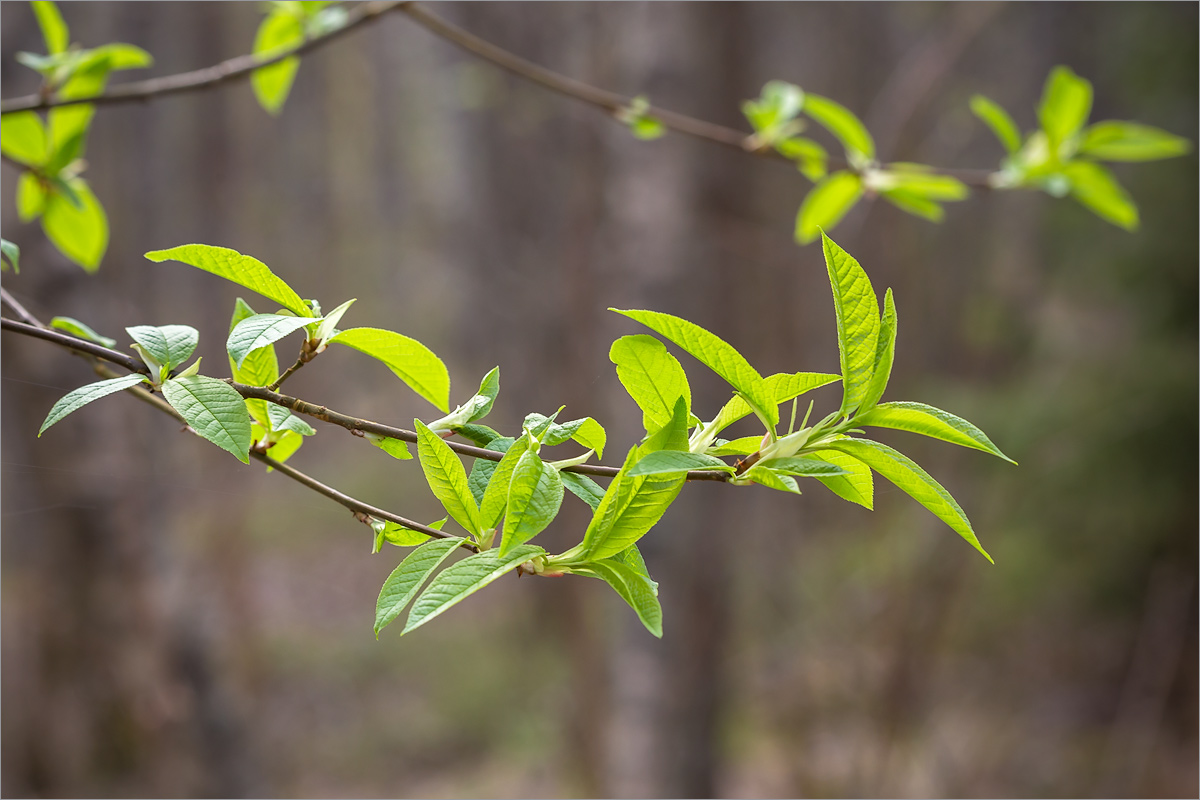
259,331
713,352
406,580
1112,140
652,376
283,419
411,361
782,386
583,487
1096,188
998,120
54,30
805,467
77,328
463,579
23,138
81,234
214,410
31,197
847,128
285,446
826,204
631,507
856,485
535,494
765,476
279,31
914,204
738,447
672,462
857,310
171,345
634,589
885,353
80,397
585,431
809,156
929,421
905,474
447,478
233,266
260,368
495,496
403,536
1066,104
672,436
393,447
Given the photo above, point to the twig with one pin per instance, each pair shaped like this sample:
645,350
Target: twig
299,406
233,69
300,362
19,309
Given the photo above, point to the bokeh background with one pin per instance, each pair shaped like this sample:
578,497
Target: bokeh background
176,624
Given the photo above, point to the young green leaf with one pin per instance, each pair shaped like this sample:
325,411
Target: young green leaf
856,485
847,128
80,233
632,558
393,447
583,487
480,435
634,589
281,30
929,421
905,474
914,204
805,467
411,361
1096,188
809,156
463,579
171,345
259,331
782,386
23,138
672,436
233,266
283,419
1066,104
31,197
12,254
403,536
406,579
499,479
857,312
673,462
996,118
80,397
652,376
738,447
285,446
713,352
259,368
768,477
585,431
54,30
328,326
535,494
631,507
1112,140
447,478
885,353
826,204
77,328
214,410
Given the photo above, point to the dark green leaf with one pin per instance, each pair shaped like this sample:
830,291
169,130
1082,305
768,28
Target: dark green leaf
214,410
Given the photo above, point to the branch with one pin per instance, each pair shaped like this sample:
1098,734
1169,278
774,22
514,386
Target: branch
231,70
353,424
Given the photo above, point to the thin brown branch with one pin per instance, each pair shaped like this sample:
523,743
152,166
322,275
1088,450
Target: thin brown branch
323,413
231,70
300,362
19,309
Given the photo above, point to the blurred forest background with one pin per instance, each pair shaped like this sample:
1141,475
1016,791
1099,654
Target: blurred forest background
177,624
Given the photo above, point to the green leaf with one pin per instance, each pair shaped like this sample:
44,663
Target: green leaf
12,254
407,579
535,494
998,120
481,435
259,331
80,397
632,505
885,353
918,180
914,204
285,446
393,447
23,138
652,377
259,368
583,487
495,496
1096,188
713,352
929,421
171,345
806,467
738,447
672,436
77,328
463,579
905,474
1066,104
281,30
857,310
214,410
328,326
31,197
585,431
482,471
403,536
634,589
411,361
826,204
782,386
672,462
233,266
447,478
809,156
119,56
284,420
54,30
1112,140
856,485
847,128
771,479
81,234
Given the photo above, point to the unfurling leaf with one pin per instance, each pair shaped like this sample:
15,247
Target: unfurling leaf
170,345
535,494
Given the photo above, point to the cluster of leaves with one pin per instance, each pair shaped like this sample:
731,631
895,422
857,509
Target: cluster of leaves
287,25
52,150
1060,157
501,505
